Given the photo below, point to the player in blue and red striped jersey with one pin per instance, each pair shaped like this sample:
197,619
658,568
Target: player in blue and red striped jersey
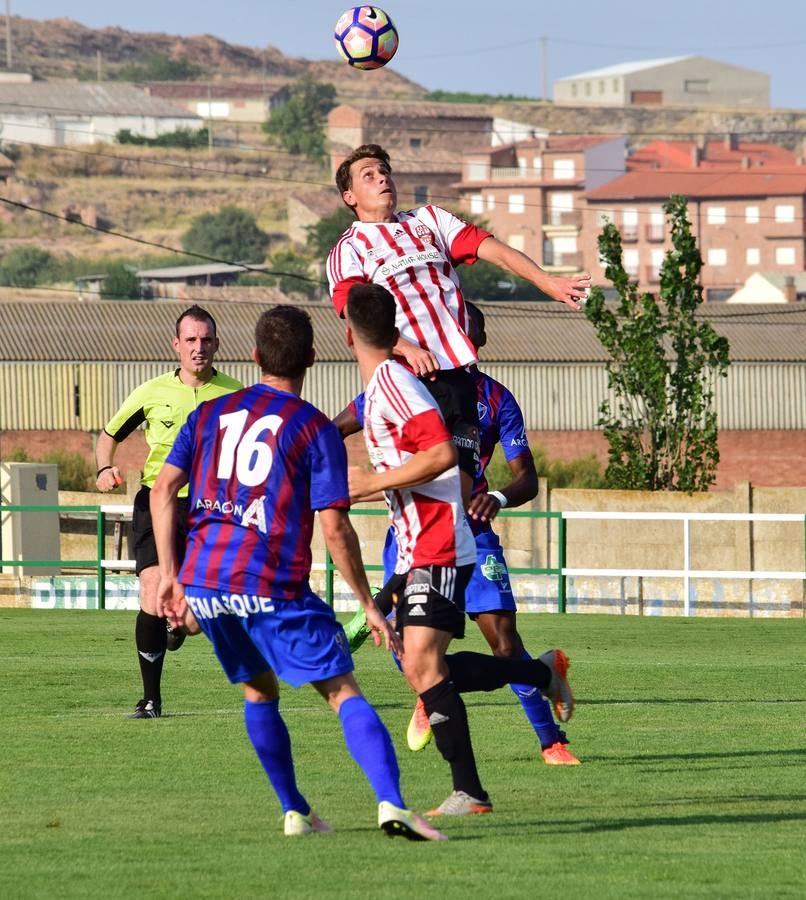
259,464
489,599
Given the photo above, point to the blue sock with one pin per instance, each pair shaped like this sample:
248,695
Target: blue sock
269,736
538,711
371,747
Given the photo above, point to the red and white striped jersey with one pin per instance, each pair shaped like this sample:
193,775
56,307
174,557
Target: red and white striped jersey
400,418
414,257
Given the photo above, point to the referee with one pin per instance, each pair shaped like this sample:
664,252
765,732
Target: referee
163,404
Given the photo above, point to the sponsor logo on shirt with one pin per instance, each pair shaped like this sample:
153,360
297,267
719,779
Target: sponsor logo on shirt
424,233
411,259
519,441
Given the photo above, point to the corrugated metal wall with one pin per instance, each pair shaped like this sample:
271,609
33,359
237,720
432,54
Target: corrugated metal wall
754,396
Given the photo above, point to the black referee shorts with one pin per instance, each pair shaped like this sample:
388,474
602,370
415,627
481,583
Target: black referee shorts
454,391
141,542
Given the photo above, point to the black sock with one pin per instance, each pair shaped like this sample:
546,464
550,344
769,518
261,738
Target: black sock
481,672
448,716
151,639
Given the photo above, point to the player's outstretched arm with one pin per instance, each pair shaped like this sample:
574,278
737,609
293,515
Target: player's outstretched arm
563,289
521,489
342,543
422,467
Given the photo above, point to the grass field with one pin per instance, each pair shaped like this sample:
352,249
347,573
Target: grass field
692,732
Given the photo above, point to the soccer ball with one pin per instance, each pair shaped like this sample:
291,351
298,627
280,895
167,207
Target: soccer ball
366,37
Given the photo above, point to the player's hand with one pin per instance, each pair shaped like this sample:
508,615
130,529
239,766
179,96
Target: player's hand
109,479
382,630
362,484
171,603
483,508
422,362
569,290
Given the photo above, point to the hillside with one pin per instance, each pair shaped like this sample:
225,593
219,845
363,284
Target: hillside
62,48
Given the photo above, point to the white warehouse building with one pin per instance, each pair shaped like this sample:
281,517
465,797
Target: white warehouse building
58,113
674,81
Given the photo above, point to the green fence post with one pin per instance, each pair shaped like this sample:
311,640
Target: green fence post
561,591
100,524
329,578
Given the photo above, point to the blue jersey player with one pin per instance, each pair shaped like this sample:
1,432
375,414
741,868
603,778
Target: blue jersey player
259,463
489,599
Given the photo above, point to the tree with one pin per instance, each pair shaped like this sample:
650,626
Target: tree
230,234
662,425
323,235
120,283
299,124
25,266
293,274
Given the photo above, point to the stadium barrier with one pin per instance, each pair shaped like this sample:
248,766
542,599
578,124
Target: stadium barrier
559,573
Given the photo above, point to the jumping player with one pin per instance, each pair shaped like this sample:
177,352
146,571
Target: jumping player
163,403
489,600
415,468
259,463
414,255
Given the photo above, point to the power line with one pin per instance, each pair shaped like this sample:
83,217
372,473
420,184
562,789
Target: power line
245,266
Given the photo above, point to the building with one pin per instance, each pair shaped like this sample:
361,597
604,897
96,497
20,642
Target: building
530,193
306,209
745,220
56,113
771,287
237,102
694,81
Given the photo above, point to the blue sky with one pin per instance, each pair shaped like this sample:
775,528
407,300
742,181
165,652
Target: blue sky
494,48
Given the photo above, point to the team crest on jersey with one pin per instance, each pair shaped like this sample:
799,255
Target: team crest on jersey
482,407
424,233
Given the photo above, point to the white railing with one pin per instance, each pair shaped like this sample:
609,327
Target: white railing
687,573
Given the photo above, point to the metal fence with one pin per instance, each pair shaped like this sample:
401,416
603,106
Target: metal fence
556,567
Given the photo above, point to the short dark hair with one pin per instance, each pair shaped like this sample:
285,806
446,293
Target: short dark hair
475,325
371,313
198,314
284,341
344,179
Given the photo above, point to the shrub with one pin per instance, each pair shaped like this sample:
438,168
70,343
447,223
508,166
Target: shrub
25,267
76,472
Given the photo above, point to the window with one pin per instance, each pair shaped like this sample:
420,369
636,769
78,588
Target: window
716,215
477,170
785,213
752,256
587,89
415,143
516,203
631,260
573,89
537,165
717,256
629,224
697,86
752,215
785,256
420,194
601,87
616,85
561,208
516,241
476,204
563,169
490,201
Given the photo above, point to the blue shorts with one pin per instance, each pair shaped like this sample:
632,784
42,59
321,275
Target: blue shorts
489,589
299,640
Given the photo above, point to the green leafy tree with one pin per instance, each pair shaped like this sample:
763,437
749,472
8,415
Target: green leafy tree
291,272
120,283
186,138
323,235
231,234
158,67
26,267
661,426
299,124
